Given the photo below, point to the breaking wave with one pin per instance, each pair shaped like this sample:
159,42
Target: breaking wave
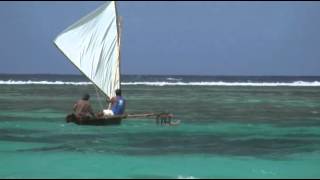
10,82
220,83
164,83
173,79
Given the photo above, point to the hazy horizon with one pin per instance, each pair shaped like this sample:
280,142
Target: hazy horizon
53,74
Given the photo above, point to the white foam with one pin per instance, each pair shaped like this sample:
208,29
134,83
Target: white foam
173,79
219,83
10,82
188,177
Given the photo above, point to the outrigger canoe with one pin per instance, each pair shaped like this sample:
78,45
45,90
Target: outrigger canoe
96,121
161,119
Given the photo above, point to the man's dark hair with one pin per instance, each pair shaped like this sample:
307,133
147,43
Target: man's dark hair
86,97
118,92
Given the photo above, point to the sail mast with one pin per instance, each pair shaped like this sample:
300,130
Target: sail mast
118,19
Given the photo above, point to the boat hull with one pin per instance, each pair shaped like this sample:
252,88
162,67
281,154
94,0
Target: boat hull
94,121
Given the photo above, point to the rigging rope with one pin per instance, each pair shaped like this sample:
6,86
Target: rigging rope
98,97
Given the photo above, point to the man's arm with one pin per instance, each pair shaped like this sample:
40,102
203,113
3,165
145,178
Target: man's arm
91,111
111,102
108,102
108,99
75,107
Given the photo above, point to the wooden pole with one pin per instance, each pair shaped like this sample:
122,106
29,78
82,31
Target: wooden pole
118,21
142,115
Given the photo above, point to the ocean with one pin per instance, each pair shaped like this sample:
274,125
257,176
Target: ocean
231,127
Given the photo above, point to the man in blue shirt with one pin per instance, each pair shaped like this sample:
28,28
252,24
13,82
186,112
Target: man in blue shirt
117,105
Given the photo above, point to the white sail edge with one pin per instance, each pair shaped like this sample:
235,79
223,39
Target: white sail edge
92,45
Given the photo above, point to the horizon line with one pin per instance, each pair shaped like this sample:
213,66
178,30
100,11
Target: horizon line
61,74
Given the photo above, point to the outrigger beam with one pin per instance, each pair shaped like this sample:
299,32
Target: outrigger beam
143,115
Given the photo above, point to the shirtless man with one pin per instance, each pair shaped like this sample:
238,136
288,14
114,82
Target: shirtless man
83,109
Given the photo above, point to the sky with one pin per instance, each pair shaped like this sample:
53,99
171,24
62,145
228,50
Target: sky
172,38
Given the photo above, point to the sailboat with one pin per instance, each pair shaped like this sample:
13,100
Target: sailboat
92,44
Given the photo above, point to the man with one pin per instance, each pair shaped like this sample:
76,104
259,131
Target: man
117,105
83,109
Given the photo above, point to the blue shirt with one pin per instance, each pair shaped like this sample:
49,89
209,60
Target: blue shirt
119,106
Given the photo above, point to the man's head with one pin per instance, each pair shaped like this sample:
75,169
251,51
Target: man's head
86,97
118,92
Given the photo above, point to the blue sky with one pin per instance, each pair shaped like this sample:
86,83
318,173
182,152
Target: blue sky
197,38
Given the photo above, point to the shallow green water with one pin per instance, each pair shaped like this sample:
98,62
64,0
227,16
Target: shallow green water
225,132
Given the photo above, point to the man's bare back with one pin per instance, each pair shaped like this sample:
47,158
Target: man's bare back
83,108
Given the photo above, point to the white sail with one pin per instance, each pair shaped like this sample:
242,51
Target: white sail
92,45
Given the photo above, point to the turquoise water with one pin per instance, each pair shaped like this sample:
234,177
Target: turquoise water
225,132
